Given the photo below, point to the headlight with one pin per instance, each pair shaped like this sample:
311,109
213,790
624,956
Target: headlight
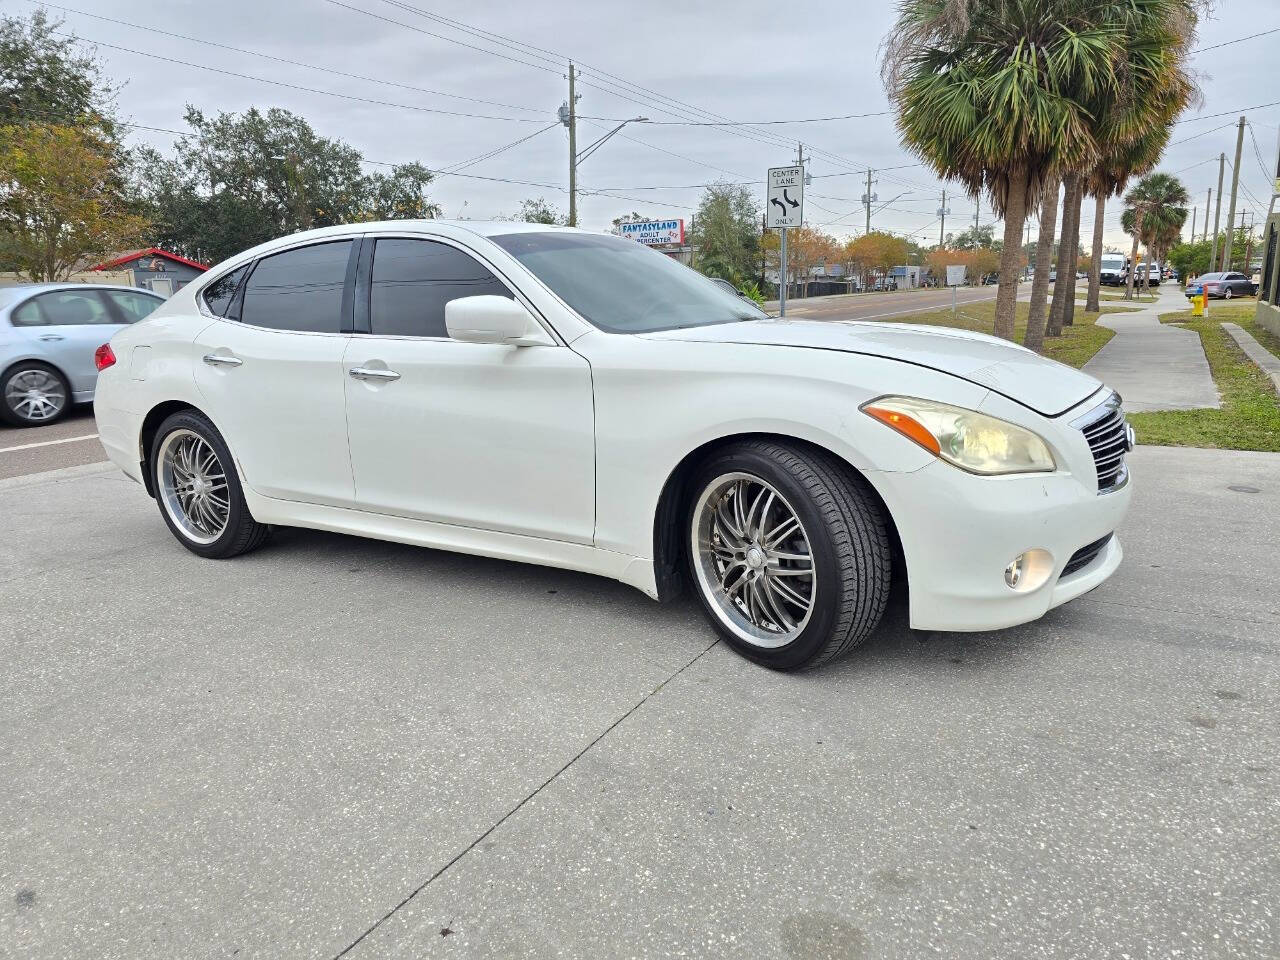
965,438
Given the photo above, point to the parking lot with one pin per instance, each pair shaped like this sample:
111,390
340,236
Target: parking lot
338,747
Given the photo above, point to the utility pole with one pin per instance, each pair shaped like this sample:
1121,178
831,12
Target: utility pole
572,123
942,217
1194,211
977,209
1231,209
1248,242
1217,213
1208,201
868,198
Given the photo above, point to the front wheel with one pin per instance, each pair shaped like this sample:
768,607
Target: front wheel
198,491
789,552
1227,294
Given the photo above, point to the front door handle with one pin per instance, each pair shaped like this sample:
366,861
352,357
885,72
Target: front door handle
50,337
368,373
216,359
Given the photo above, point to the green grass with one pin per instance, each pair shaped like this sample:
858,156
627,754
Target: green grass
1111,293
1078,342
1249,418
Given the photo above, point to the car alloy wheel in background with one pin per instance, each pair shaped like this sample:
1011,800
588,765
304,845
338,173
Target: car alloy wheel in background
34,394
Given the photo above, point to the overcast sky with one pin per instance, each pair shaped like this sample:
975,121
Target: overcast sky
742,61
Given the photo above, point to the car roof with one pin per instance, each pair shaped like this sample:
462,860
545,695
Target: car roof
22,291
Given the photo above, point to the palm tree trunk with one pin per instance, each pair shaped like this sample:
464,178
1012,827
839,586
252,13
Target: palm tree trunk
1011,255
1095,267
1064,287
1073,262
1133,254
1038,311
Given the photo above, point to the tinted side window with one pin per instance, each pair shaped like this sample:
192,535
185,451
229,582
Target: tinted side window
217,295
414,279
298,289
28,315
73,308
133,306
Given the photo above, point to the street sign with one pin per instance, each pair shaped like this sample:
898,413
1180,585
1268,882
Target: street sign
955,275
784,204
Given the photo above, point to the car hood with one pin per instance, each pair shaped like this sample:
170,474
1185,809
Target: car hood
1043,385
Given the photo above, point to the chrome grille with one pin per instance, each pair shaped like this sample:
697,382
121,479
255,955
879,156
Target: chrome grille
1107,434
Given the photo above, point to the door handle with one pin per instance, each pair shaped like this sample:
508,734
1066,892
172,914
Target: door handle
214,359
50,337
367,373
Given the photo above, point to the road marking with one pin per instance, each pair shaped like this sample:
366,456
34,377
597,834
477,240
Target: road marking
48,443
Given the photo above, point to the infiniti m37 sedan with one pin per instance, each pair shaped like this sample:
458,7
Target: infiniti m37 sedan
555,396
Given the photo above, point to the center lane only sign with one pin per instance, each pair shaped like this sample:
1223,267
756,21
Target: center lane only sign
785,202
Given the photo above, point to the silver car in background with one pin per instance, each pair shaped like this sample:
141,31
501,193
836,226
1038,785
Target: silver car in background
48,335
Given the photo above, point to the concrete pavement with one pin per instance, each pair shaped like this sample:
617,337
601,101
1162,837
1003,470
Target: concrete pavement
337,747
1153,365
71,441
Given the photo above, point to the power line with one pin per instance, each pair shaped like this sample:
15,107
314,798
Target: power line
296,86
1257,152
1227,113
454,168
751,123
293,63
1252,36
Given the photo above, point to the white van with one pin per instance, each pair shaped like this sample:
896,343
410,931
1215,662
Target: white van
1153,274
1111,269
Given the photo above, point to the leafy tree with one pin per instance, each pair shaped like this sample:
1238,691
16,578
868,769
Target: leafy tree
61,201
875,253
632,217
726,232
241,179
540,211
975,237
49,78
807,248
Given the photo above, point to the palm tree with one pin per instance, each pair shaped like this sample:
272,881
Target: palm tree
1033,339
1155,210
1007,96
1064,291
1108,179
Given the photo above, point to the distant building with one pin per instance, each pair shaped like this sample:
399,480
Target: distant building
154,269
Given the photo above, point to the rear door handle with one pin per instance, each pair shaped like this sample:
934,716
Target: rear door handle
367,373
50,337
215,359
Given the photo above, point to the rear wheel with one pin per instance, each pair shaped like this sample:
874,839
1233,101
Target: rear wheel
198,491
789,552
1228,293
33,394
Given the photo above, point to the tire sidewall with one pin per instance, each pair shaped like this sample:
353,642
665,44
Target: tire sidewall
237,509
827,606
13,417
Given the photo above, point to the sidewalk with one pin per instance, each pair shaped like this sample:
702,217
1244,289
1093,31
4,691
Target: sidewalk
1153,365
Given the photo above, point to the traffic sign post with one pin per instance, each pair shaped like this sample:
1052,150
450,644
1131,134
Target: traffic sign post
784,206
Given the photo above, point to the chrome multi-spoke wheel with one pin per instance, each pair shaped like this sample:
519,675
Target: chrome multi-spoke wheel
752,559
192,484
35,395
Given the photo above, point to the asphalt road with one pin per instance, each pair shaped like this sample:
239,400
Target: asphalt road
341,748
69,442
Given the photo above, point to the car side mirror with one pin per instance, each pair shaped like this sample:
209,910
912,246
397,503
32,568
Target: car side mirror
492,319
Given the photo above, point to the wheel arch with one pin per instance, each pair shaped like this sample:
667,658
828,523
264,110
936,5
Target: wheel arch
668,542
147,435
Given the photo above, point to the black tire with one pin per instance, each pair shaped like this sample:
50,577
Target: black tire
849,547
11,414
241,532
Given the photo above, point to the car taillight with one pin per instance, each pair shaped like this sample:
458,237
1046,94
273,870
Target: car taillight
103,357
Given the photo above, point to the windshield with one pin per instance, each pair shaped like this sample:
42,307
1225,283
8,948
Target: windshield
622,286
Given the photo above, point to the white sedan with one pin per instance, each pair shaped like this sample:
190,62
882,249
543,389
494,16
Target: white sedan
574,399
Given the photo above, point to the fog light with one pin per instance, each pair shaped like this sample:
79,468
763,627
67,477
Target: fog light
1029,570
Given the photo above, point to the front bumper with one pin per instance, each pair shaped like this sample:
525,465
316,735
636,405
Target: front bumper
959,532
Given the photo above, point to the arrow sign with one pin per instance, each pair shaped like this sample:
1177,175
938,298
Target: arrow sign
785,197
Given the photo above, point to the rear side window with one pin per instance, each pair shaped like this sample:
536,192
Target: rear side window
63,308
133,306
299,289
413,280
218,295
